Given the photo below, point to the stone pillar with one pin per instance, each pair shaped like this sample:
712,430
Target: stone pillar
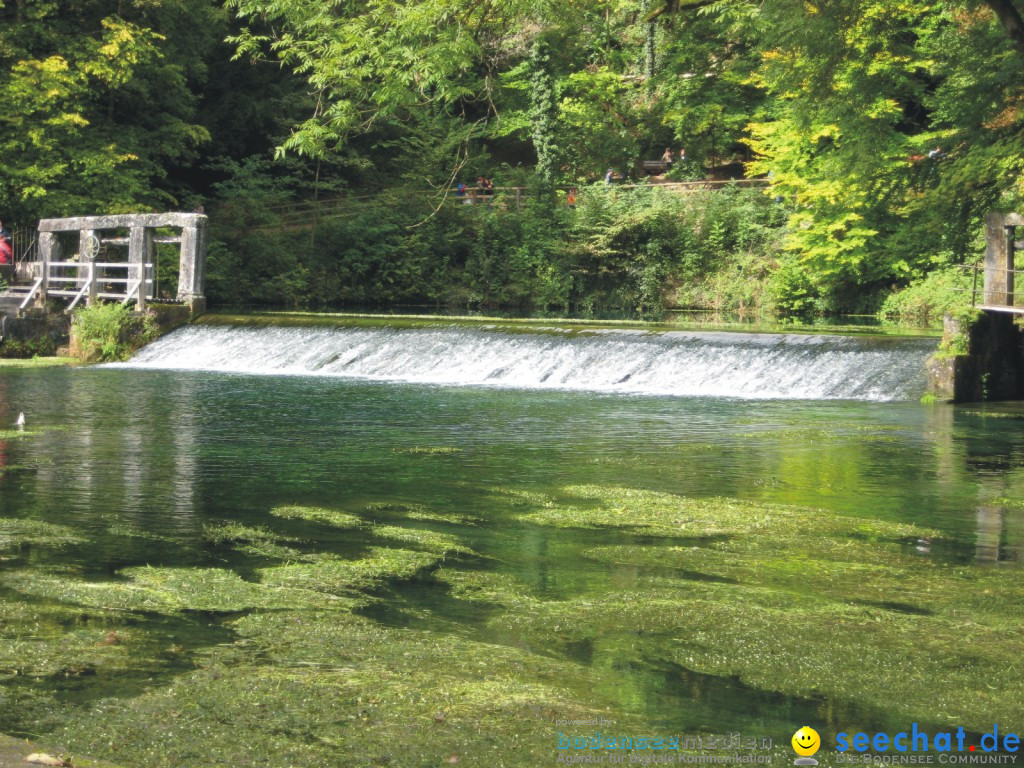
86,256
1000,237
48,250
192,266
141,251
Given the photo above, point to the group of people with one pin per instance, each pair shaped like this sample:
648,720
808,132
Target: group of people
483,190
668,158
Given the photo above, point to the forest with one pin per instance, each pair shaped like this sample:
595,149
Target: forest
326,140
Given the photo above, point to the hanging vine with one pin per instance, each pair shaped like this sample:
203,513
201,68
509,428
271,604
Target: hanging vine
543,110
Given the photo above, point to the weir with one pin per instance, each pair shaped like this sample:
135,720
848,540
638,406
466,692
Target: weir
736,365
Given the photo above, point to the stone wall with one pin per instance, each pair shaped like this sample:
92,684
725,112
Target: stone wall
35,334
978,360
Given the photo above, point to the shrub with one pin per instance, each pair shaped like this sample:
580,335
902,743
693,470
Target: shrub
928,299
109,332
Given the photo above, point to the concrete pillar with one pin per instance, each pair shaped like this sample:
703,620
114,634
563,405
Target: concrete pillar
87,256
141,251
192,265
47,250
1000,245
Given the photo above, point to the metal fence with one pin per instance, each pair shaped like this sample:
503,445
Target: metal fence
23,241
1002,298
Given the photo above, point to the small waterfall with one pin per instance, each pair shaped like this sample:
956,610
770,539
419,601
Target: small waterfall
738,365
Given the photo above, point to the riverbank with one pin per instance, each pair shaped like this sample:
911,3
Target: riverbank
36,362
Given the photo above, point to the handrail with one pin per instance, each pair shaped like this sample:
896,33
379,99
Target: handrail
100,264
975,268
132,290
85,288
305,206
31,294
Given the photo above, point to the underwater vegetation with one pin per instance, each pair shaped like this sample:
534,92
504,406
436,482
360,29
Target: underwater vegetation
297,651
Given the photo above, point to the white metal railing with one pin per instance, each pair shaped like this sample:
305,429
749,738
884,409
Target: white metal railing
133,289
84,279
87,283
36,285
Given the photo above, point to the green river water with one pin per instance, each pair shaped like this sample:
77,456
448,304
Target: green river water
200,568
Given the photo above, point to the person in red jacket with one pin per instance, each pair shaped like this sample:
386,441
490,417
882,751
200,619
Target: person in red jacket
6,261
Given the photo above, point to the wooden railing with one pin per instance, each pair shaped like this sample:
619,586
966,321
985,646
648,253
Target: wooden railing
306,213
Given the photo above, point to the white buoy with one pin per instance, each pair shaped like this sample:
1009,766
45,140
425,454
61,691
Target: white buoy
20,423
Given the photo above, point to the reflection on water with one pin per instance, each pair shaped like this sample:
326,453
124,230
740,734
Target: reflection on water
140,461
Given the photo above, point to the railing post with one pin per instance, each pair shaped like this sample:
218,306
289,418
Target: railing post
140,253
86,238
1011,247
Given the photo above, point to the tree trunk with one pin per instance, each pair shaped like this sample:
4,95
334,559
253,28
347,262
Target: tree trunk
1011,21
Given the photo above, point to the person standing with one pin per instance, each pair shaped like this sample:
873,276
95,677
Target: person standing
6,260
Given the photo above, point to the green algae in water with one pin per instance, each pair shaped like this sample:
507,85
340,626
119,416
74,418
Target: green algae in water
418,512
332,575
20,533
340,690
439,450
254,541
829,613
332,517
313,687
430,541
163,590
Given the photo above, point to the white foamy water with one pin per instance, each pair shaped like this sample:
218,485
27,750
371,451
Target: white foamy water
739,365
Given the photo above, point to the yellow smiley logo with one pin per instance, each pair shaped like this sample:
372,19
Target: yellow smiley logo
806,741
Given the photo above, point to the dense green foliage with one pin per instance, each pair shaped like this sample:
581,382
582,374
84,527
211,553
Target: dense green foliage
887,129
634,250
109,332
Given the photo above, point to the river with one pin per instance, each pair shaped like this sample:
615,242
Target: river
382,544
